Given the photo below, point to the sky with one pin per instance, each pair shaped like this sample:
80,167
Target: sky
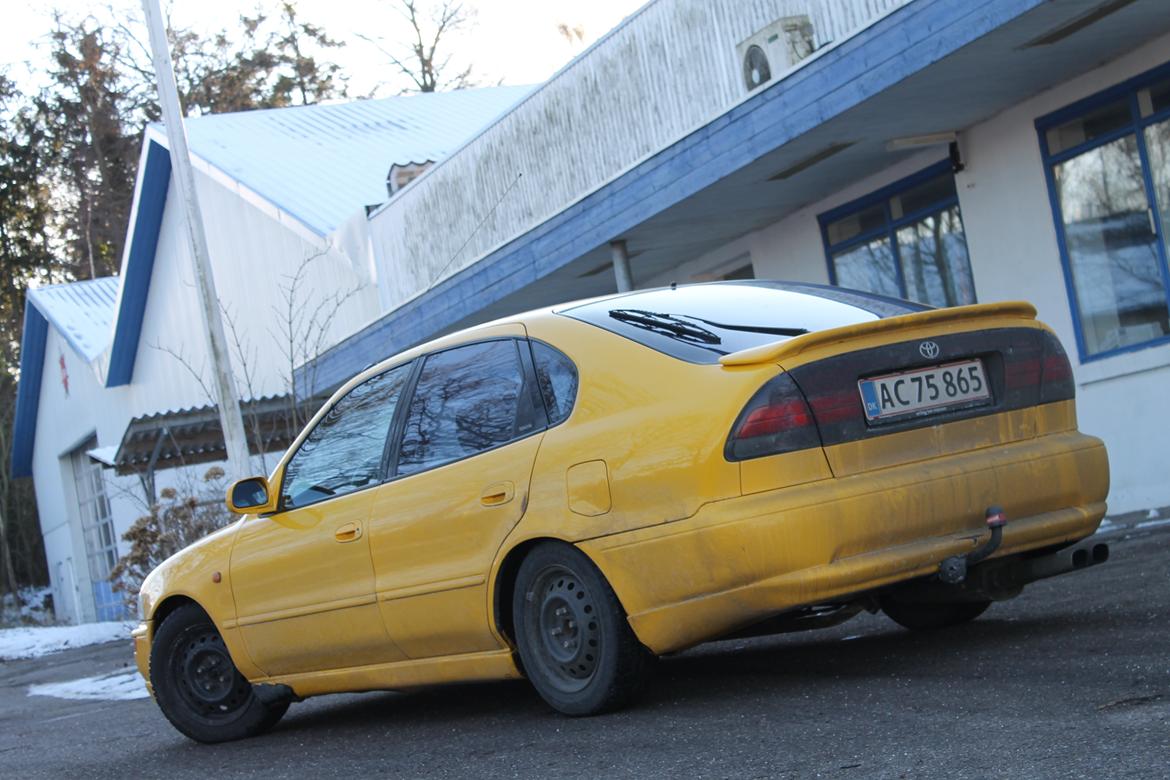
513,42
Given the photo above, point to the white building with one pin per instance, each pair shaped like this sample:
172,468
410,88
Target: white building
109,395
943,150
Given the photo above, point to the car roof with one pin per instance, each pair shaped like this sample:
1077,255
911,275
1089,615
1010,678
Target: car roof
866,305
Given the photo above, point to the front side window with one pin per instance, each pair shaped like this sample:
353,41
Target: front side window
468,400
344,452
1109,172
905,241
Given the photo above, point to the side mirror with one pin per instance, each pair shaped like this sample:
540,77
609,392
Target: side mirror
251,495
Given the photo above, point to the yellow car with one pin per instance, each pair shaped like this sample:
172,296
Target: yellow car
567,493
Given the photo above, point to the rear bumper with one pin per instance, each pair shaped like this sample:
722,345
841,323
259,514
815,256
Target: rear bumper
740,561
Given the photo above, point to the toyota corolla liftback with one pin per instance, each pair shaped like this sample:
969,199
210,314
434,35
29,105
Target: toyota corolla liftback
566,493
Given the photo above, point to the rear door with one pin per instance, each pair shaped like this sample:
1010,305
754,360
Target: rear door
460,482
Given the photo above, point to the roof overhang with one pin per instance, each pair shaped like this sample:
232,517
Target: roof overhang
28,392
146,216
189,437
929,68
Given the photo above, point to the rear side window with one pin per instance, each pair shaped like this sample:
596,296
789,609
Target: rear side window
343,453
468,399
700,323
557,377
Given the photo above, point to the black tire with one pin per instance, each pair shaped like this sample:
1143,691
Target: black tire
919,616
575,644
198,687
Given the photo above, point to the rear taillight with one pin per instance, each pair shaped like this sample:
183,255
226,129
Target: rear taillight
1056,376
1042,367
777,419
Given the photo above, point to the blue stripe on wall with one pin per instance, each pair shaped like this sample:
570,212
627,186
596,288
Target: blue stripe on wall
28,393
152,201
908,40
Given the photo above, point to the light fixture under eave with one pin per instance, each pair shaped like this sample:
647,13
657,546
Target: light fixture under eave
809,162
1078,23
918,141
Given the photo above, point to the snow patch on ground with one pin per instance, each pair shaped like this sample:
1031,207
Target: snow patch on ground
35,641
30,606
118,686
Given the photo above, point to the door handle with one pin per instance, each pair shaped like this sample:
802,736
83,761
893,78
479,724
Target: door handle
497,494
348,533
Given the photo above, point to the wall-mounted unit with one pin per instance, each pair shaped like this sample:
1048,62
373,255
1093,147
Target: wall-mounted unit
775,49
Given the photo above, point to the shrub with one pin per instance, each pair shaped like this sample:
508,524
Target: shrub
174,522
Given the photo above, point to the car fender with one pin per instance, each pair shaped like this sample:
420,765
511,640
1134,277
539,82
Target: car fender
201,573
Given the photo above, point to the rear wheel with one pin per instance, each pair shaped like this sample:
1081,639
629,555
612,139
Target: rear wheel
198,687
574,641
932,615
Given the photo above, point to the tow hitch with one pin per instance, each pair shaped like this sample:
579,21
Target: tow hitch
953,570
972,577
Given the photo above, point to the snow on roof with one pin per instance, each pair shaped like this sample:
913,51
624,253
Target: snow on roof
82,312
323,163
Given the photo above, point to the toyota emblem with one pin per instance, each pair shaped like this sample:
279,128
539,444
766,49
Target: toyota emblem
929,350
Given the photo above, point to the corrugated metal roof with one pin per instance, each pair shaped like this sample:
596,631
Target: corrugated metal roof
323,163
82,312
185,437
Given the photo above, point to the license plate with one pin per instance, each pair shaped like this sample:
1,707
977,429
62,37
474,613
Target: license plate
924,390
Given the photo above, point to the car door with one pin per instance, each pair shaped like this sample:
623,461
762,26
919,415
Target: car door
302,577
460,484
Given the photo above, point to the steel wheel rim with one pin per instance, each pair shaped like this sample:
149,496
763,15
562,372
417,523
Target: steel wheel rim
563,622
209,683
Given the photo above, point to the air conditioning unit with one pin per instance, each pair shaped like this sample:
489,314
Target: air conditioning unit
775,49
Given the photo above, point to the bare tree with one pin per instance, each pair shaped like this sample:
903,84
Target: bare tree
423,56
574,35
301,333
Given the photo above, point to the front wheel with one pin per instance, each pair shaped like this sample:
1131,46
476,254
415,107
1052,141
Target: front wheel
931,615
198,687
574,641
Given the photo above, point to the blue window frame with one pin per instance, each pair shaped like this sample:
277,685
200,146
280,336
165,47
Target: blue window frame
905,240
1107,161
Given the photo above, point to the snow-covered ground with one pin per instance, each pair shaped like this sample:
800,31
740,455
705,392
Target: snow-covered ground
117,686
35,641
29,606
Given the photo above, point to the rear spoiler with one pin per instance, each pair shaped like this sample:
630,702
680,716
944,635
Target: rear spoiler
778,350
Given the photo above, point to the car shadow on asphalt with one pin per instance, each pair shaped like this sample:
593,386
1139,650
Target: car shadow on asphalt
747,667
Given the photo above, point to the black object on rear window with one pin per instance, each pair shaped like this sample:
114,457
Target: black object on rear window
699,323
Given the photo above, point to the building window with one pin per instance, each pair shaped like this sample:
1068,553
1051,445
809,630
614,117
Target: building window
905,240
97,525
1107,159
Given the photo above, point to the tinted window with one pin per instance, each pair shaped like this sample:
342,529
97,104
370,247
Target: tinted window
917,249
557,377
343,453
701,322
468,400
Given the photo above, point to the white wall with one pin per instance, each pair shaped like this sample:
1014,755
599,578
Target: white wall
1012,240
254,255
254,258
669,69
1012,237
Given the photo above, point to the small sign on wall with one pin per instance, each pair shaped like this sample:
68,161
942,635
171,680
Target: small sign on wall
64,372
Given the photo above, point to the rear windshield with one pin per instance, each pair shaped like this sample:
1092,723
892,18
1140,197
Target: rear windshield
699,323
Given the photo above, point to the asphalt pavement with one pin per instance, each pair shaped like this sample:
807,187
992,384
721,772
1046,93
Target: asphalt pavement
1071,680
